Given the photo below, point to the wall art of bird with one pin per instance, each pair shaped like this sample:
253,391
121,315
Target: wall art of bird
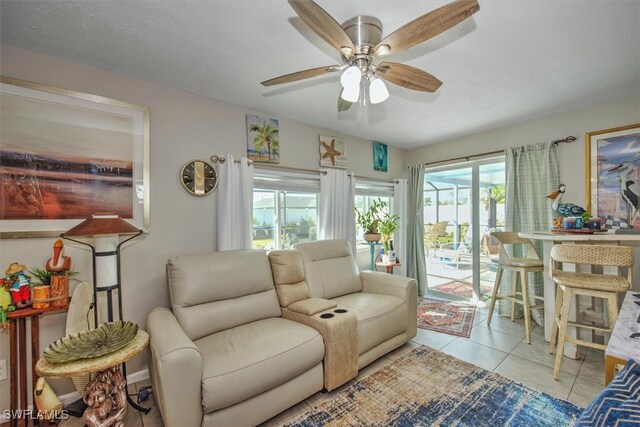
564,209
629,188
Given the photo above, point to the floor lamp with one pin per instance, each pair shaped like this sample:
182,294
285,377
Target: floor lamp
106,231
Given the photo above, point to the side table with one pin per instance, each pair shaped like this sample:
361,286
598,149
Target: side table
388,265
108,384
621,346
18,357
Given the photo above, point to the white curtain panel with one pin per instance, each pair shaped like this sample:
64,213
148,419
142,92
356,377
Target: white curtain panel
337,215
400,209
235,204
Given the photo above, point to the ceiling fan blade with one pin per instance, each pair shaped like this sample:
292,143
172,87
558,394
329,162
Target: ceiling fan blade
300,75
408,77
323,25
342,104
427,26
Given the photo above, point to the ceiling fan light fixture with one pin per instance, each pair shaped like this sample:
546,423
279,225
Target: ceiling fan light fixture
377,91
351,94
351,78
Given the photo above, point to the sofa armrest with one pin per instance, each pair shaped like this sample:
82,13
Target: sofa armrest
405,288
176,370
376,282
312,306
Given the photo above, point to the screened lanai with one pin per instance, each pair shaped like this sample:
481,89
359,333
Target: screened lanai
449,219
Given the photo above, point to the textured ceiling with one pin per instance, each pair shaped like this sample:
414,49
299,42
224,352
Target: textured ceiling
512,60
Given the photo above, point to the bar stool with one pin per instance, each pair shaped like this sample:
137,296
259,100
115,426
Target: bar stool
528,263
603,286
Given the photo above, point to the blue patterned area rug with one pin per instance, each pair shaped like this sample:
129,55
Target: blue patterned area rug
426,387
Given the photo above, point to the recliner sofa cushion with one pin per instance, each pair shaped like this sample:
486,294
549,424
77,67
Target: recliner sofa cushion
288,275
330,268
380,317
247,360
215,291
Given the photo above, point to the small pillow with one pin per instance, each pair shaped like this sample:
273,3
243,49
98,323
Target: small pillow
619,403
311,306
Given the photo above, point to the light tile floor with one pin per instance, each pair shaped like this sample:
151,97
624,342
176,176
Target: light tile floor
501,348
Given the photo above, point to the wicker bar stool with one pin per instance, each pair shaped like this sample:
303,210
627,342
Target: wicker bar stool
603,286
528,263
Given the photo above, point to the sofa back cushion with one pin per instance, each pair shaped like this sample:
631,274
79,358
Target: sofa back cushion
330,268
215,291
288,275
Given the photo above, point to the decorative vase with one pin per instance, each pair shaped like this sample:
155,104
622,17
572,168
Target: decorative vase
41,295
385,258
372,237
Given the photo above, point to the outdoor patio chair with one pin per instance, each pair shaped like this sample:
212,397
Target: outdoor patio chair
431,237
456,252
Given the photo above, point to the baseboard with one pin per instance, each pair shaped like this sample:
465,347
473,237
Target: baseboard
138,376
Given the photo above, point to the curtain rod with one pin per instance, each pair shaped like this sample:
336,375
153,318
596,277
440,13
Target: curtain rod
568,140
219,159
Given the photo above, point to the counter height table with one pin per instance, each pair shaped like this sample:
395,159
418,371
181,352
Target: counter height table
549,238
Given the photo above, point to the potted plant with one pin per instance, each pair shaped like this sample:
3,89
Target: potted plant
387,226
369,220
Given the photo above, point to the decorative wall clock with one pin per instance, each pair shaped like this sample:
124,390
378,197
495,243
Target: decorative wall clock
198,177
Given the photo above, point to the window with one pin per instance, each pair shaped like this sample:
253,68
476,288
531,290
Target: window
285,209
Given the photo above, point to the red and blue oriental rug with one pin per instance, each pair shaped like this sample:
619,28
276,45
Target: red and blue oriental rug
447,317
426,387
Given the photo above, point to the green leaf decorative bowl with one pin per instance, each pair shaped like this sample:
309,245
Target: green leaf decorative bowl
105,339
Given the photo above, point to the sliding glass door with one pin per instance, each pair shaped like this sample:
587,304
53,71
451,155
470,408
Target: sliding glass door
463,204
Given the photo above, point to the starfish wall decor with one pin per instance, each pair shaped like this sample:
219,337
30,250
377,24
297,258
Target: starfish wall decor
333,152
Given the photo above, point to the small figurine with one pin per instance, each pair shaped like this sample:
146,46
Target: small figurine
564,209
20,286
59,263
59,267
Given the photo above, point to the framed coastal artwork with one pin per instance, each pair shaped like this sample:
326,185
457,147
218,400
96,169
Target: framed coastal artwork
263,139
333,152
613,175
379,156
66,156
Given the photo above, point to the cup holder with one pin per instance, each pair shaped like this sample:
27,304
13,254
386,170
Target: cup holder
340,310
326,316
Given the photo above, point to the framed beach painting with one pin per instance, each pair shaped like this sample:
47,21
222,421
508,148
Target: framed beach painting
66,156
333,152
379,156
263,139
613,175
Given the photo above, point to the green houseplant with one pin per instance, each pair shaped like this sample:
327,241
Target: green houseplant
370,219
387,226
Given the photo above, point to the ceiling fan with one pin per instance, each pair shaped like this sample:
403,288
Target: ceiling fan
359,41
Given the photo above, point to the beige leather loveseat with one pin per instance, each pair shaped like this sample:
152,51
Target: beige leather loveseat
361,315
224,355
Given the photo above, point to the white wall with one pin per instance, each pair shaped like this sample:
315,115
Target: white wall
183,127
576,122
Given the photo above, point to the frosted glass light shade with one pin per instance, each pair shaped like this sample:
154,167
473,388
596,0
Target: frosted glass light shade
351,77
378,91
351,94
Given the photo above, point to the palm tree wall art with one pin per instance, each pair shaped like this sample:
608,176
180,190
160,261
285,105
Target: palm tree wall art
263,141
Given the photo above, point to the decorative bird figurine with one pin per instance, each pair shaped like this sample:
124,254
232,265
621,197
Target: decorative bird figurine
629,188
59,263
564,209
